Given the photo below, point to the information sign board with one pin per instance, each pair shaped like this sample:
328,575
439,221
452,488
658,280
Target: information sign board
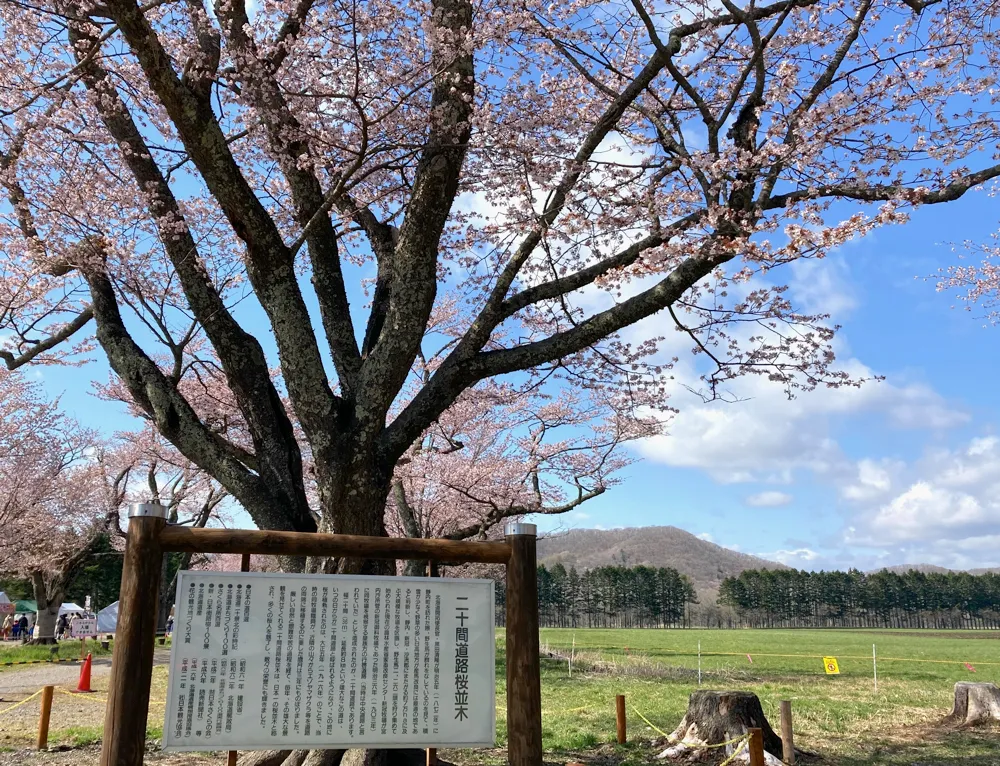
83,627
285,661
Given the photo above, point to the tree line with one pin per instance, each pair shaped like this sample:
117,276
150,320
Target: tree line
854,599
609,597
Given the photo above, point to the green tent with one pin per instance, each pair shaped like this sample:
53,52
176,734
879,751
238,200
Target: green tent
25,606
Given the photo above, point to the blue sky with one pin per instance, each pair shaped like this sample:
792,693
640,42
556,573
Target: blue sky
902,471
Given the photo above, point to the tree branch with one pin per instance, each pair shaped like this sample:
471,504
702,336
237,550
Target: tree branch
68,330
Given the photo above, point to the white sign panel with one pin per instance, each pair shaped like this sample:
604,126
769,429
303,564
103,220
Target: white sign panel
285,661
82,627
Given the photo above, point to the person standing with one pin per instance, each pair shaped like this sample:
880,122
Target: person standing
22,627
8,624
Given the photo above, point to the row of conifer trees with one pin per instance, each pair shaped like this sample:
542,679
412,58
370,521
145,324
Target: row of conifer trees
854,599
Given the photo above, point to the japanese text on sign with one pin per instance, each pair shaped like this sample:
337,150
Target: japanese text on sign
263,661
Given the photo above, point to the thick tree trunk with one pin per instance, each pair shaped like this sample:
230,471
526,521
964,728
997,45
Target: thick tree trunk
975,703
714,718
48,610
354,505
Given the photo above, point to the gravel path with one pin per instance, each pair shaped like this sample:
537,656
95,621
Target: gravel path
19,681
69,711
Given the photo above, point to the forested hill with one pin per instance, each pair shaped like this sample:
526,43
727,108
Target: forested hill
706,564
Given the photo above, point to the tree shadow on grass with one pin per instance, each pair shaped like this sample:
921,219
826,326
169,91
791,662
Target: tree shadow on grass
924,746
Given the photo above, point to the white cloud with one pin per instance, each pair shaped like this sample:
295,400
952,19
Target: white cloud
943,509
925,511
765,436
822,286
873,480
795,557
769,499
706,536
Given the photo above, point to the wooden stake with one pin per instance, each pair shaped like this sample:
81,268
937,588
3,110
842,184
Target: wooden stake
124,741
787,742
524,692
43,718
620,715
756,747
244,567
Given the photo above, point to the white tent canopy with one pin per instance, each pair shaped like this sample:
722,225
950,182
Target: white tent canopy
107,619
69,607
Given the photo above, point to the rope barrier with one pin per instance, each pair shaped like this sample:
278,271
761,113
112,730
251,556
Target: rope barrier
652,725
673,653
22,702
82,696
706,746
34,662
736,751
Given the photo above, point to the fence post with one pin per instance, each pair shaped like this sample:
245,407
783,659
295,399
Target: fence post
620,716
43,718
699,663
875,668
756,747
524,692
124,741
787,742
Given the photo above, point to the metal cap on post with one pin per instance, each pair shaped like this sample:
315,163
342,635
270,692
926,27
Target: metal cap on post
147,510
520,528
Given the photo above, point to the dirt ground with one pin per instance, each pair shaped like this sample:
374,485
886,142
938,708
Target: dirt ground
90,756
69,710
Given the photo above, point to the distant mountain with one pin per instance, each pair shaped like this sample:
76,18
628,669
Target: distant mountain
934,568
904,568
705,563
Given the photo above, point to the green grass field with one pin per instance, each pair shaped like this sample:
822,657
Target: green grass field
14,651
841,718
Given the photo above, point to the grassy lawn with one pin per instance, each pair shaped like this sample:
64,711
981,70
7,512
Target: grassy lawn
15,651
841,719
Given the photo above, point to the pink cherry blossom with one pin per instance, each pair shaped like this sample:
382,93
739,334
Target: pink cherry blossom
203,193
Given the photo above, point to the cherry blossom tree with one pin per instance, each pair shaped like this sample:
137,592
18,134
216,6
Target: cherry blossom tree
211,188
53,505
144,468
977,283
501,453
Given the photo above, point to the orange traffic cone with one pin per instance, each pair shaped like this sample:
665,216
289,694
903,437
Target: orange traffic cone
84,684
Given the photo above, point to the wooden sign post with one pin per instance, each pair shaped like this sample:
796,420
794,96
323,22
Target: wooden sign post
149,537
524,682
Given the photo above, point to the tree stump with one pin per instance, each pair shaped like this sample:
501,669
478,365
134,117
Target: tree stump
975,703
713,718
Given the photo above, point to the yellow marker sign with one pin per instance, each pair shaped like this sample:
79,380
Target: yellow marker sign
831,666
